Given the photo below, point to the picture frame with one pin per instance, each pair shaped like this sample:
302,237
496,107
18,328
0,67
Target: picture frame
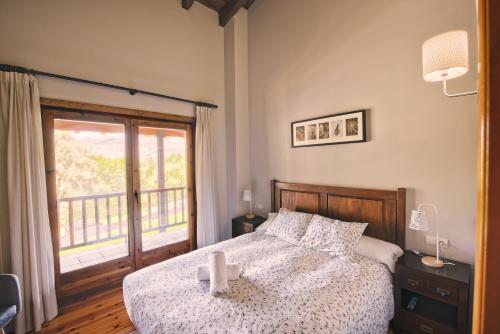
342,128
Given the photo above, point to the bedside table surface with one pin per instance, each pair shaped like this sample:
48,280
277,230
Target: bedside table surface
460,272
254,221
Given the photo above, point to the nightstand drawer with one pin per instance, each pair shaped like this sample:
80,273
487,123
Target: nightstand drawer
445,292
413,282
243,225
417,325
242,228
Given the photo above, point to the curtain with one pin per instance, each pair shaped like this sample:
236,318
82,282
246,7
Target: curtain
207,226
31,257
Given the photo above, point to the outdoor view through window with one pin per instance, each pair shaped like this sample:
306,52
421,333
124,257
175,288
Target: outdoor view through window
162,155
92,190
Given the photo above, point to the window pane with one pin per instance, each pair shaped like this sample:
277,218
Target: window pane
163,179
91,192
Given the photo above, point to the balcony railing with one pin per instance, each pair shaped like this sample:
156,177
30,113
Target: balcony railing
81,221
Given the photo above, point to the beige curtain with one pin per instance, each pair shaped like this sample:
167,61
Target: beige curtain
30,249
207,227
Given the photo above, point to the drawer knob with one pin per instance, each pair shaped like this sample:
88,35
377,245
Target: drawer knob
412,282
426,329
443,292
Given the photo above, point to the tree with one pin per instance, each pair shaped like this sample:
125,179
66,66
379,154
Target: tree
81,171
110,174
175,170
75,169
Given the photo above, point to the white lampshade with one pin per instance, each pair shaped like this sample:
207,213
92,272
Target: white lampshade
446,55
247,195
419,220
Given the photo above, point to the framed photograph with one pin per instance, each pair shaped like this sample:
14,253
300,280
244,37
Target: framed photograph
348,127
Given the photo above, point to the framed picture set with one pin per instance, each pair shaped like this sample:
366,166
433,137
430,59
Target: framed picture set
343,128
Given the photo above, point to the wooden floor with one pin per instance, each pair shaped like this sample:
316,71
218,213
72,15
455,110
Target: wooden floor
102,313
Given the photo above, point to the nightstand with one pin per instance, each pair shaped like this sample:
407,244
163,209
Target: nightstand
443,297
242,225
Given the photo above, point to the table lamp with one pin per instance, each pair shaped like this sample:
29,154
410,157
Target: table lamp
420,222
247,197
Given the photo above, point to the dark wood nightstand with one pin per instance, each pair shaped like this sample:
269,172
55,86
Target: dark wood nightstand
443,297
242,225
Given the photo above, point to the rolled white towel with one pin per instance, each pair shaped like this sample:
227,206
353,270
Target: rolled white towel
218,273
233,272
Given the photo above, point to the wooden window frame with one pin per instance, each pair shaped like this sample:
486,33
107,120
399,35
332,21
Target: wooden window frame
145,258
79,283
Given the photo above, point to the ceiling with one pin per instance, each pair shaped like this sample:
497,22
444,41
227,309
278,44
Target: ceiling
225,8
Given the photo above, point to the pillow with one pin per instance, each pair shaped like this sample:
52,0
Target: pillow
289,225
265,225
333,236
380,251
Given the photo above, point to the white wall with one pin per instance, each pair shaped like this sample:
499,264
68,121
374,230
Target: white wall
153,45
306,59
313,58
237,119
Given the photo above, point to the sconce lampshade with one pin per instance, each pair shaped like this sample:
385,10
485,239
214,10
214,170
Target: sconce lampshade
419,220
446,55
247,195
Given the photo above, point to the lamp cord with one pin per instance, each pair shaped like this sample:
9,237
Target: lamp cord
416,252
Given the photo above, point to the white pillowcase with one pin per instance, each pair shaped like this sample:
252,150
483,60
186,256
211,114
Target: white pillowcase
333,236
380,251
289,225
265,225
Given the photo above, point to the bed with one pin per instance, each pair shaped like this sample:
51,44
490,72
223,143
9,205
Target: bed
284,288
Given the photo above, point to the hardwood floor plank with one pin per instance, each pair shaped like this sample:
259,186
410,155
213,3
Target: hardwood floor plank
91,299
104,313
110,323
94,320
67,318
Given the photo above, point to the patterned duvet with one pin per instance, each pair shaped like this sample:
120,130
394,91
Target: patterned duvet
284,289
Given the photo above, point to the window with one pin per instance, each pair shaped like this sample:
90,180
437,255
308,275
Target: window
120,192
162,170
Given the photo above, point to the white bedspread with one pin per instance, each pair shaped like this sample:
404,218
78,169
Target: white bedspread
284,289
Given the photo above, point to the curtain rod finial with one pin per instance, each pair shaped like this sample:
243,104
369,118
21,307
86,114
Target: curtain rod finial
208,105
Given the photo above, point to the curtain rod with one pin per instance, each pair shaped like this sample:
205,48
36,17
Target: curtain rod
131,91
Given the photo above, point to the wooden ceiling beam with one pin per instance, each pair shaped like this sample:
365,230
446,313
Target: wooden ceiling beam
186,4
226,10
214,5
229,10
248,3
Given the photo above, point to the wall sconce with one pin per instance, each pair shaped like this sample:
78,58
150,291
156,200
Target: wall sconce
446,57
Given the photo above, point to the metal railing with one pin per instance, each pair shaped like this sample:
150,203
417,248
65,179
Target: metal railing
83,224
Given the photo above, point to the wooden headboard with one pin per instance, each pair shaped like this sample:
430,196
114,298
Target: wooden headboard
383,210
